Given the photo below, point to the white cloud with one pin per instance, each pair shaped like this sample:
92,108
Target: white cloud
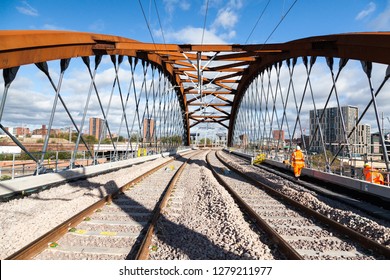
382,21
184,5
226,18
219,31
229,35
368,10
352,89
209,4
26,9
75,87
171,5
97,26
193,35
236,4
52,27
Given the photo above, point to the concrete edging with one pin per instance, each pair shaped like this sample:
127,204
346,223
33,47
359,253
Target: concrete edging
350,183
30,184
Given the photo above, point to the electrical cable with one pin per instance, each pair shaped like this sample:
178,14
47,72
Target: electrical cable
254,27
159,21
204,23
147,23
276,27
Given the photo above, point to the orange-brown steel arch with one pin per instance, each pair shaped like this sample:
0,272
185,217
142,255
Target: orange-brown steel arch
370,46
23,47
234,66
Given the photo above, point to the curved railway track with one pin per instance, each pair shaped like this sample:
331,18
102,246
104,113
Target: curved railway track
159,216
116,227
361,203
202,222
375,207
302,232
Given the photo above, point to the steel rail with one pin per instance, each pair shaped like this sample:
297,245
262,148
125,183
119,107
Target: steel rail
354,235
40,244
327,192
286,248
143,252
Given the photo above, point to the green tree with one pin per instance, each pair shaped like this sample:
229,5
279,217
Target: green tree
134,137
90,139
119,139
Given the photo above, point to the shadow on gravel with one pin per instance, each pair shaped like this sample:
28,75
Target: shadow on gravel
181,239
344,200
198,162
366,205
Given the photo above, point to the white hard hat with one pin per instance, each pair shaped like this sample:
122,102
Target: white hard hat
298,148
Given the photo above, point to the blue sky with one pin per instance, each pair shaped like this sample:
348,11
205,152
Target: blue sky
182,21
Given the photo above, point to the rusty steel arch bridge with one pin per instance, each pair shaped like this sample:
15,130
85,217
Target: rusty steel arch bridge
325,93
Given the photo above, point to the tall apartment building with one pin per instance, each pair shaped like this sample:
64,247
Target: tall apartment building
244,140
363,139
95,127
376,144
148,131
333,133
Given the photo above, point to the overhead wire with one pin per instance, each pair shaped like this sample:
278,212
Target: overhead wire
258,19
204,22
159,21
283,17
200,76
276,27
147,23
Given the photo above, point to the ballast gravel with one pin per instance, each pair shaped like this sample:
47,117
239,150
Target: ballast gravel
25,219
371,227
203,222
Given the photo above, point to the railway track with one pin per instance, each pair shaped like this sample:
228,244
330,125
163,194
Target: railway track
368,204
300,231
116,227
361,203
202,222
161,215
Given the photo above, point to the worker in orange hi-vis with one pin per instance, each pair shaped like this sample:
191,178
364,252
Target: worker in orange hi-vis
373,175
297,162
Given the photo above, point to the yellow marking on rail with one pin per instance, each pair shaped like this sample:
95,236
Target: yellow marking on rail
108,233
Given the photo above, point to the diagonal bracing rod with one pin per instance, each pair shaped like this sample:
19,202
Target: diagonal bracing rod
70,115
